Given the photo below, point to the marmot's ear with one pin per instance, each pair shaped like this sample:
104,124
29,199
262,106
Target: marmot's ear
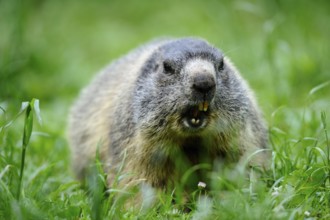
156,67
220,65
157,62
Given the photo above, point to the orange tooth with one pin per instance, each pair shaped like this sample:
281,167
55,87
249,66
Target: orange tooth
201,106
205,106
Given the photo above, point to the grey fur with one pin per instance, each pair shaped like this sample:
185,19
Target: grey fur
144,106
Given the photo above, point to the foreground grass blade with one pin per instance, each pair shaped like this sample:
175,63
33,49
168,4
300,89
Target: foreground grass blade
324,123
30,107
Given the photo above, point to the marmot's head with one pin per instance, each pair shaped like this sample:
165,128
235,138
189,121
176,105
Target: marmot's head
181,87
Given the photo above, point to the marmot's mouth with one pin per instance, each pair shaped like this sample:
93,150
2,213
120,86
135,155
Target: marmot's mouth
195,116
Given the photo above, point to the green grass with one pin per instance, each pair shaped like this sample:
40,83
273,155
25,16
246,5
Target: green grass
51,49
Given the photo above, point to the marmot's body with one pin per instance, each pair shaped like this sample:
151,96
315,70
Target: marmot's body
164,108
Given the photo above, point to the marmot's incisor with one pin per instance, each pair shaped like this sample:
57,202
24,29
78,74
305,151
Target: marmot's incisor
163,108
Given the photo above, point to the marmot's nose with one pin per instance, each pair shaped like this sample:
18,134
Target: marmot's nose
204,83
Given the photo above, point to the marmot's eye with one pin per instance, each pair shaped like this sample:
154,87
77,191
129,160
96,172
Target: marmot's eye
220,65
168,69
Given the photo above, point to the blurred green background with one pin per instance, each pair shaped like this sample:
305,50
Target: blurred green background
50,49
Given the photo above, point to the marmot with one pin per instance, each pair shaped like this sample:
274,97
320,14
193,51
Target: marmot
163,108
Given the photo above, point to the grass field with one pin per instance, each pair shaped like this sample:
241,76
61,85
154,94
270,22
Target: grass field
50,49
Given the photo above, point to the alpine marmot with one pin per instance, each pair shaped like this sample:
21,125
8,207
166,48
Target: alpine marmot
165,107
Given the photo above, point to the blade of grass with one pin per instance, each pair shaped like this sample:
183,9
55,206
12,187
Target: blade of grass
324,123
4,171
28,125
318,87
31,107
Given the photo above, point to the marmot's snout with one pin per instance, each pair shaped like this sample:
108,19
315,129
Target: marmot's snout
202,93
202,80
202,90
203,87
